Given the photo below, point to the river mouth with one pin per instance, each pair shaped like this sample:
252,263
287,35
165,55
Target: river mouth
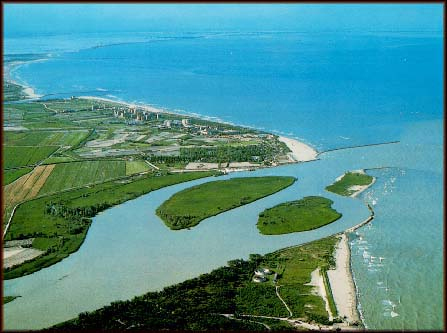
129,251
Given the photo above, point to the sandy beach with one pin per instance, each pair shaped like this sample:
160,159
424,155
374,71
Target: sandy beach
28,91
360,188
300,151
320,290
342,284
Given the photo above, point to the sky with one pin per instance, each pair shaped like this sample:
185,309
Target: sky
69,18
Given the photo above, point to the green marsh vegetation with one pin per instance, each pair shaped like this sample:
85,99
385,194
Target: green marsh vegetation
187,208
7,299
198,303
300,215
59,223
349,179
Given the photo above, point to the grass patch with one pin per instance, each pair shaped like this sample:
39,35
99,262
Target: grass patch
7,299
329,294
299,215
76,174
16,156
60,222
44,138
133,167
10,175
59,159
343,186
294,267
188,207
260,299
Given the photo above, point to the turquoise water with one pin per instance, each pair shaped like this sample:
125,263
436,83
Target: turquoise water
332,90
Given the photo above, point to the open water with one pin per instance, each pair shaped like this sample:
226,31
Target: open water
330,90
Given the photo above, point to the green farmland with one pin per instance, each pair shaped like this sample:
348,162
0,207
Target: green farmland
133,167
10,175
76,174
300,215
44,138
25,156
187,208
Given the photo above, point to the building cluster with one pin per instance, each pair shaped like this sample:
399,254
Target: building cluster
261,275
132,113
176,123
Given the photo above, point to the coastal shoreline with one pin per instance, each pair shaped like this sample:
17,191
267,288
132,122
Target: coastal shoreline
342,282
27,90
300,152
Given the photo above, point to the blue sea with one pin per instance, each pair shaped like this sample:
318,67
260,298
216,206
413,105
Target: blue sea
330,90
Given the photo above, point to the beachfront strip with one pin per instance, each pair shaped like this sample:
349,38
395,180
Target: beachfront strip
50,146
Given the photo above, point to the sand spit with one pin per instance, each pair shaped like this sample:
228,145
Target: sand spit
342,284
300,151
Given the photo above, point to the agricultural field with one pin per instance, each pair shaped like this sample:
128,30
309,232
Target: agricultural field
10,175
17,156
187,208
299,215
27,186
76,174
59,223
44,138
133,167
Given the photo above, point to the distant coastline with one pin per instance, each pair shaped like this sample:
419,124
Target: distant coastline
300,152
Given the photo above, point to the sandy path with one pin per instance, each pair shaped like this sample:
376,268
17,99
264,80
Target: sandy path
300,151
341,282
320,290
360,188
16,255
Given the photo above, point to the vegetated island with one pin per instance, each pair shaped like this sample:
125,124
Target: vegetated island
187,208
351,183
284,290
300,215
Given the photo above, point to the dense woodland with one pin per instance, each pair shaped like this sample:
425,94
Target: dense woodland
195,304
